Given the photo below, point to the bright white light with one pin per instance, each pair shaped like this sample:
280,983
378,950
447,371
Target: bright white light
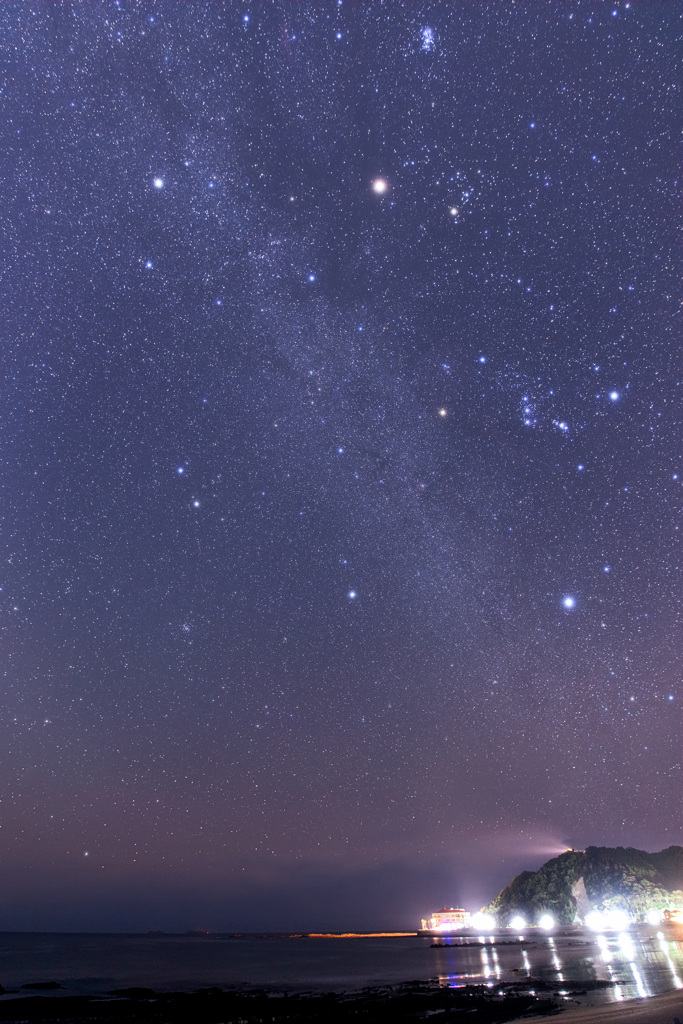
614,396
547,922
518,923
569,602
158,182
483,922
617,920
311,278
594,921
379,186
196,504
443,413
653,916
453,211
352,595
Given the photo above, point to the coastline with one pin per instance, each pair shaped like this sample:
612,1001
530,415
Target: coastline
660,1009
49,1003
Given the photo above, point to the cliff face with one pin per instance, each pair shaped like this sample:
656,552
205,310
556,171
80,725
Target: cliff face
601,877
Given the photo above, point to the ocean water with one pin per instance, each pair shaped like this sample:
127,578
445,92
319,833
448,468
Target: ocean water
643,962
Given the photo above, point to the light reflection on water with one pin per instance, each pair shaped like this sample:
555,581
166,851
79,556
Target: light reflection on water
638,964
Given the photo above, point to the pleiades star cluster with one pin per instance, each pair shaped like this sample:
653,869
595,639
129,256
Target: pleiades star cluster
341,458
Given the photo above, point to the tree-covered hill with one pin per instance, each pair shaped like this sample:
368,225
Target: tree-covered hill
600,878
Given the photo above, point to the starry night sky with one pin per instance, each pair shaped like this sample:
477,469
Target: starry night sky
341,454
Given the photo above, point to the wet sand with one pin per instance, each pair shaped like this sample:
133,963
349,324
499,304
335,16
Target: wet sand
664,1009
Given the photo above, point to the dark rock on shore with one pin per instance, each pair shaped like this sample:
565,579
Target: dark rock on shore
406,1002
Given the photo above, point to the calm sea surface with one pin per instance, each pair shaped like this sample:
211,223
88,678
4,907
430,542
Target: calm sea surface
643,962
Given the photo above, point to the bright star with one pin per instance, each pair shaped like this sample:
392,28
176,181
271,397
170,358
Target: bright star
149,265
569,602
352,595
482,359
340,451
379,186
195,503
614,396
443,413
158,182
453,211
180,470
311,278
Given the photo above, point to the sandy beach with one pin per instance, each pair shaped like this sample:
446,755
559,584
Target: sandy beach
664,1009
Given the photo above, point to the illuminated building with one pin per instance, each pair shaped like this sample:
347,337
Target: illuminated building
446,920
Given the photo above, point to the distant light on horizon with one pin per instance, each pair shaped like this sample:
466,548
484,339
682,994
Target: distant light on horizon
547,922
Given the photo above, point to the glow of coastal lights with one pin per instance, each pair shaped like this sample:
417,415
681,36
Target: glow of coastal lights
608,921
379,186
653,916
547,922
626,945
616,920
637,977
518,923
483,922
